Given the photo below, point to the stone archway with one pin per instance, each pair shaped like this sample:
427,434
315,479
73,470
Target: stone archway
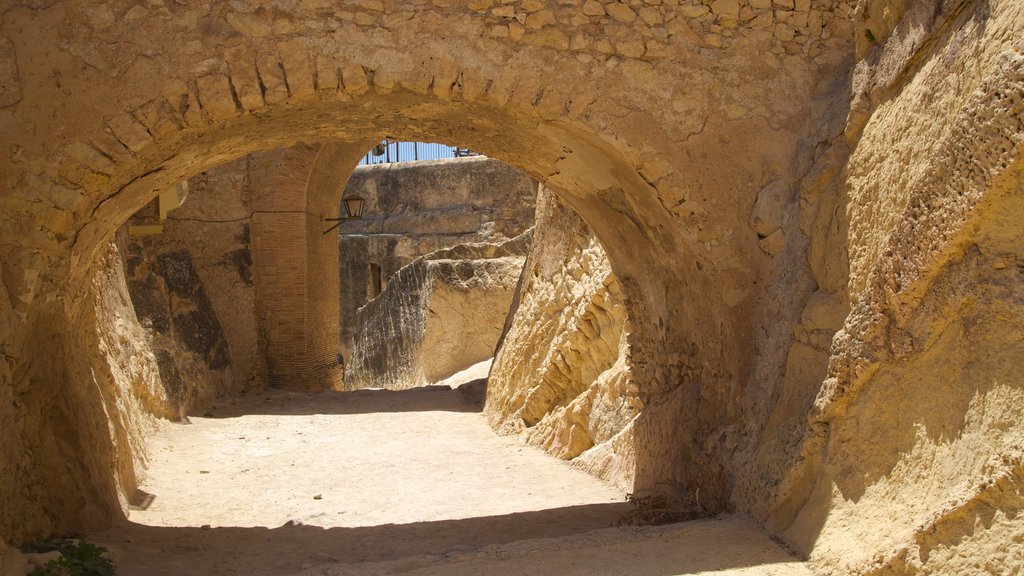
624,122
797,197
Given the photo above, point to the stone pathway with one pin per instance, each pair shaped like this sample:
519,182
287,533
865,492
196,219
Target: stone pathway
381,482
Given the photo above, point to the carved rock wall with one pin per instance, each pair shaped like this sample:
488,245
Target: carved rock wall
915,425
440,314
414,208
99,450
561,377
193,289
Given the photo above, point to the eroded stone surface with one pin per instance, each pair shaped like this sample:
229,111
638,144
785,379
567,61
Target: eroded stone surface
561,377
440,314
192,286
414,208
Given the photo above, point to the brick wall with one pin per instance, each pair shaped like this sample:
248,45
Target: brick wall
295,274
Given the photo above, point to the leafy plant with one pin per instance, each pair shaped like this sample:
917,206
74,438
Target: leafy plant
78,558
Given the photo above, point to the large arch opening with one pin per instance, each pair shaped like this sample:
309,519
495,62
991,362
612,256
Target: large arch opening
296,207
588,174
585,172
790,224
648,184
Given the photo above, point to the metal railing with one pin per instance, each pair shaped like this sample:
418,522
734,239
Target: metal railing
390,151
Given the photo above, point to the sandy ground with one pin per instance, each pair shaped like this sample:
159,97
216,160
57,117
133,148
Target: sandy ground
381,482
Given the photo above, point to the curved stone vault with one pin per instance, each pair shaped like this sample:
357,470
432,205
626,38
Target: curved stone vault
755,170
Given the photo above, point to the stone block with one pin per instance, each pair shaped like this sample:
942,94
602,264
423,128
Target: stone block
272,75
593,8
130,132
298,68
216,97
353,75
159,118
244,77
621,12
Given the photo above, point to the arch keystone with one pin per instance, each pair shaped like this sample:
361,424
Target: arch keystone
244,77
298,69
473,83
419,81
353,77
445,77
552,104
384,80
328,77
130,132
498,91
216,96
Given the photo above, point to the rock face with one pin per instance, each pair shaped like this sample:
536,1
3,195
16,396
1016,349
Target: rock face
415,208
561,377
916,425
111,426
438,315
193,289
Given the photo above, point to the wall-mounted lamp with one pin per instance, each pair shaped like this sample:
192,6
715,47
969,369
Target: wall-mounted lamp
353,210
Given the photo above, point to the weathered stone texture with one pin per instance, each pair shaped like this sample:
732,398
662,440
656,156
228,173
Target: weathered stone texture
561,377
10,82
890,130
193,290
911,427
440,314
107,351
414,208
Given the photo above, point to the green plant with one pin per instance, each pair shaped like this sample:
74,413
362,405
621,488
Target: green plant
870,36
78,558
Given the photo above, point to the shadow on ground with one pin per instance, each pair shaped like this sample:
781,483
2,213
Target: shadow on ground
572,540
141,549
422,399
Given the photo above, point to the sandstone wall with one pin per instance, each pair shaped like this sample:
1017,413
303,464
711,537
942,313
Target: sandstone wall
931,351
910,462
414,208
192,287
561,377
440,314
98,451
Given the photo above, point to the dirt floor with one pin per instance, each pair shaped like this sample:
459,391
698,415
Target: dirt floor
380,482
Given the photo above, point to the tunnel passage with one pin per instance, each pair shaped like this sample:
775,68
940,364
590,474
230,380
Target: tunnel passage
657,183
795,196
320,369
